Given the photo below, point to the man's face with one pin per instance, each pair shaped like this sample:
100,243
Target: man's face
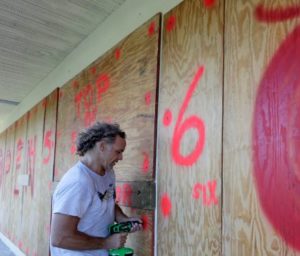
112,153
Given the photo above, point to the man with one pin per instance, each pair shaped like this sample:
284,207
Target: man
84,200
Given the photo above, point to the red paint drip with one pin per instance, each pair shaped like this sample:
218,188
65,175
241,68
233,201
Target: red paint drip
171,23
146,163
20,245
165,206
276,128
61,94
151,29
167,117
148,98
118,53
183,125
209,3
145,221
276,15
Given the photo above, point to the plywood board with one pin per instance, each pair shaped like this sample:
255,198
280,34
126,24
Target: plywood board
46,173
189,131
261,206
142,241
7,192
2,180
19,168
118,87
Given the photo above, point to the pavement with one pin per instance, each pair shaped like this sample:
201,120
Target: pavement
4,250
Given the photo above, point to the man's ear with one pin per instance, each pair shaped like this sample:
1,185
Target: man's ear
101,145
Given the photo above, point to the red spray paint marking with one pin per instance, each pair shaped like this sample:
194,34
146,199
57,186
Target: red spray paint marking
205,189
118,194
276,128
209,3
167,119
148,98
146,163
171,22
276,15
20,146
145,221
151,29
48,144
7,161
73,148
16,192
191,122
118,53
165,205
127,194
31,153
75,84
93,70
27,251
124,194
102,83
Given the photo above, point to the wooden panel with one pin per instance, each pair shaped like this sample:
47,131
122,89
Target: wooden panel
120,87
45,174
189,131
141,242
2,181
37,188
6,194
261,190
19,168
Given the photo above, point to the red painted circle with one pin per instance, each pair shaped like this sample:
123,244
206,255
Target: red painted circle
276,140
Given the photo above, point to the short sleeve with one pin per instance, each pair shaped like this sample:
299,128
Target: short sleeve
73,199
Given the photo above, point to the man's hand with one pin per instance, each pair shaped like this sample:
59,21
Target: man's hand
116,241
137,224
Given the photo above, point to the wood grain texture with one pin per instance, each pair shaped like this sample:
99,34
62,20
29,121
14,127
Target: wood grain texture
141,242
6,193
118,87
38,34
19,167
2,181
45,174
30,194
190,224
249,47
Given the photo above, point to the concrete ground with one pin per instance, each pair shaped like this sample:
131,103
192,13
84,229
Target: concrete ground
4,250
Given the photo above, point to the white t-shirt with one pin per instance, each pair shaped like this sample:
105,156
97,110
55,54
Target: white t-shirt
89,196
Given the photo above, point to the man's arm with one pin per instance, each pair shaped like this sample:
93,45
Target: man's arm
122,217
64,234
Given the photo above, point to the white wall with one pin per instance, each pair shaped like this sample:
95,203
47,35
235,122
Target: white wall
127,18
